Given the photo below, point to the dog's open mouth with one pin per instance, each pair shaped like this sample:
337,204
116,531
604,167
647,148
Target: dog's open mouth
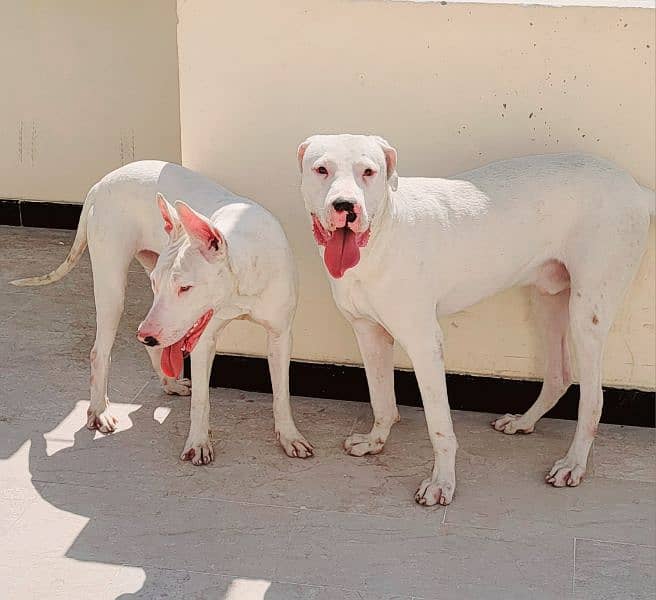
342,246
173,355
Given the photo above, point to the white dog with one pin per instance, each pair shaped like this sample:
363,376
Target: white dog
400,251
223,257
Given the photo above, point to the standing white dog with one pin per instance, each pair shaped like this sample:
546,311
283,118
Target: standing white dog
223,257
400,251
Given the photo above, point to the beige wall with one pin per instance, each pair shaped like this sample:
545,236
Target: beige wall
89,86
452,87
86,87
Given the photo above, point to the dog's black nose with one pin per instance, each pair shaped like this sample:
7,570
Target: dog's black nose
149,340
343,206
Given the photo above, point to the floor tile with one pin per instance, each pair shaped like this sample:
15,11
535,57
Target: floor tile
607,571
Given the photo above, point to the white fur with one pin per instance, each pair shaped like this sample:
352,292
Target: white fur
254,279
573,227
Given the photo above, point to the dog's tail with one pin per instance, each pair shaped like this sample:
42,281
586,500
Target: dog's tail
74,254
650,197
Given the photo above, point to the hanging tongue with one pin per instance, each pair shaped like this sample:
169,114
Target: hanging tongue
341,252
172,359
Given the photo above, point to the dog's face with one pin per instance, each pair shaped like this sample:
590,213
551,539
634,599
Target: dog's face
345,179
191,279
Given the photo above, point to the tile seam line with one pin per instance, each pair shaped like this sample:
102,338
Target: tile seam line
143,387
583,539
574,567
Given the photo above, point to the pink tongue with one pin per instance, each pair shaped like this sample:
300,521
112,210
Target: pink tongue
172,360
341,252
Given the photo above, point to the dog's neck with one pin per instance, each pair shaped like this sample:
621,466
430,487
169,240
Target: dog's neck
383,217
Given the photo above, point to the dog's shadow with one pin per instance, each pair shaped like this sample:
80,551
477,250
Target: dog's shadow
146,507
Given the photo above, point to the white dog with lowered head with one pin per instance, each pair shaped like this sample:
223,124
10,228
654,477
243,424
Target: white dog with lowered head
401,251
212,258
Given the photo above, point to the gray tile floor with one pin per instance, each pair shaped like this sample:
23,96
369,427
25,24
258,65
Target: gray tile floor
89,516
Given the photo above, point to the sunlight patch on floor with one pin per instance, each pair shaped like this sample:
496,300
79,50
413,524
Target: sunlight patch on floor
247,589
63,436
160,414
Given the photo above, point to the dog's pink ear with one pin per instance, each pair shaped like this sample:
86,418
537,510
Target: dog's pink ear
166,212
300,153
390,160
202,233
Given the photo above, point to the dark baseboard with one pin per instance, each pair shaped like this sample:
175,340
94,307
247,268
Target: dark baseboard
32,213
485,394
466,392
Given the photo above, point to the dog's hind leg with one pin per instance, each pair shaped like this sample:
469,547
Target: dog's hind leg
591,320
552,312
597,289
279,344
109,279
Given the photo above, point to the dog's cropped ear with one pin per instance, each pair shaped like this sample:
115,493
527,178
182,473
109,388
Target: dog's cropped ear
207,238
390,160
168,214
300,153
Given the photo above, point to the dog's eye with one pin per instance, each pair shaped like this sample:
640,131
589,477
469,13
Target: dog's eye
368,172
322,170
184,288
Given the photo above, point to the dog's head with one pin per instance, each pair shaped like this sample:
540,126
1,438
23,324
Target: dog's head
345,181
191,279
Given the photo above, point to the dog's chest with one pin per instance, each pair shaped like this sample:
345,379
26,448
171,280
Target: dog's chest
355,297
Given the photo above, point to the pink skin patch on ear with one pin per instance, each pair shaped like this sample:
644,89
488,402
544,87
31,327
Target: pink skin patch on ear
342,246
164,211
173,355
199,228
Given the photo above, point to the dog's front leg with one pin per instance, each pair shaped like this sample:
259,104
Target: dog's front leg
198,447
425,351
377,350
279,354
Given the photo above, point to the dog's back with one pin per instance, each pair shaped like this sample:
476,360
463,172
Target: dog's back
574,181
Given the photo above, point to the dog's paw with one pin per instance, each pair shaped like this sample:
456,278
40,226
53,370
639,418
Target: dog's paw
103,421
198,450
512,424
435,491
177,387
360,444
566,472
294,444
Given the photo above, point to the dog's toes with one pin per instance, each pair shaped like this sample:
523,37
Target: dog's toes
198,452
177,387
303,449
295,445
565,473
432,492
105,422
360,444
511,424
